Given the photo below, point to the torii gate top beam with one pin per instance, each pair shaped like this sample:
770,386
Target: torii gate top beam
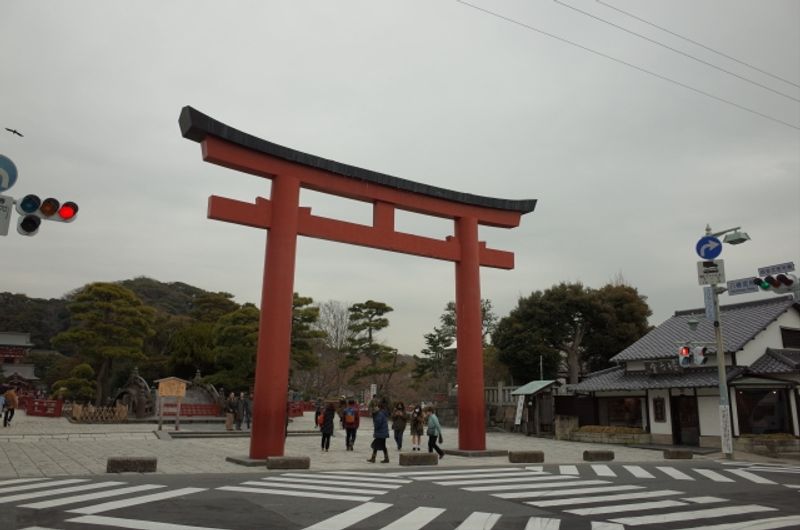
229,147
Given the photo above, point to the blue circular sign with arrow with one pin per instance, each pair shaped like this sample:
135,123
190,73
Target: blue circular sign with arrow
8,173
709,247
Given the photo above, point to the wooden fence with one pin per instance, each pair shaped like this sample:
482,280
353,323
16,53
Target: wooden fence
92,414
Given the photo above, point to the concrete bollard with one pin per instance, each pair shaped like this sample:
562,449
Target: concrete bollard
131,464
419,459
526,457
598,456
678,454
288,462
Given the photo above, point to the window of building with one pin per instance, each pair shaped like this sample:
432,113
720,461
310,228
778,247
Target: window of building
620,411
790,337
763,411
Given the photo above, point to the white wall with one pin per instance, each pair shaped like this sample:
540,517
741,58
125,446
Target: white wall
708,408
768,338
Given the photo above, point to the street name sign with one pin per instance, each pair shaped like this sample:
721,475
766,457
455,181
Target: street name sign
8,173
781,268
708,247
711,272
742,286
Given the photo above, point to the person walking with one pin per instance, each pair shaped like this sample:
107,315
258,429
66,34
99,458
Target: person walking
434,432
417,427
247,408
230,411
238,410
320,408
12,402
380,422
399,421
351,422
328,416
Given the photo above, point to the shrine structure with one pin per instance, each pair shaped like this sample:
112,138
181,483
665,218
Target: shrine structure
285,219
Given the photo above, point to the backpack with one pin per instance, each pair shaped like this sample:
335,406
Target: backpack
321,419
349,417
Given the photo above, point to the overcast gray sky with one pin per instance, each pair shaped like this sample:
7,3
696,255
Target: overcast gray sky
628,168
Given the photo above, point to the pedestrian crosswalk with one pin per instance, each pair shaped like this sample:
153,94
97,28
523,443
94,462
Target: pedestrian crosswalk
603,471
81,495
344,485
588,491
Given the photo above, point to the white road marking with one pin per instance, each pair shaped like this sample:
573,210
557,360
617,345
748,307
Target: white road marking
603,470
288,493
313,487
415,519
135,524
713,475
603,525
20,481
479,521
57,491
134,501
540,485
758,524
568,470
308,479
90,496
672,517
750,476
604,498
638,472
543,478
616,508
704,500
542,523
483,479
370,477
558,493
350,517
38,485
416,474
674,473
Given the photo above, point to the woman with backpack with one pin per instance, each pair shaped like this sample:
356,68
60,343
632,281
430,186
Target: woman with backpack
417,427
326,426
380,421
399,420
350,420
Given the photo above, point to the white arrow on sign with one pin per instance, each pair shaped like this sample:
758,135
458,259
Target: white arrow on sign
5,180
711,245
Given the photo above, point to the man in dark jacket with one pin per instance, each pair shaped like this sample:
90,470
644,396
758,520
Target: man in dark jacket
380,422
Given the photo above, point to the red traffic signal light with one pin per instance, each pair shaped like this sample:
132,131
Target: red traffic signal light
684,356
68,211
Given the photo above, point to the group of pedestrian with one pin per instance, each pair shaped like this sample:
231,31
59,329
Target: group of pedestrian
238,410
8,404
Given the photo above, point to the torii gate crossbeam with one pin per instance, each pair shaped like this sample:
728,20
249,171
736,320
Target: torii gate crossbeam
285,219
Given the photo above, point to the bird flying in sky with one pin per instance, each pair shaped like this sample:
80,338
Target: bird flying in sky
14,131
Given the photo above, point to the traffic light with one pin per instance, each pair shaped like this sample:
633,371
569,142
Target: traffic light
780,283
684,356
32,210
699,354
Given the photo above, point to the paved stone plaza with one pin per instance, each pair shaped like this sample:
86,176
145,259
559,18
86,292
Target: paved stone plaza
36,446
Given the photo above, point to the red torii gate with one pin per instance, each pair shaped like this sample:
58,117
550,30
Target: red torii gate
285,219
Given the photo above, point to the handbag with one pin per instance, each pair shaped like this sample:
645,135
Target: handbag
441,440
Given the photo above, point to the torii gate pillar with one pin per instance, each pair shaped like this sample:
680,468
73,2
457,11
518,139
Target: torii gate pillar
285,219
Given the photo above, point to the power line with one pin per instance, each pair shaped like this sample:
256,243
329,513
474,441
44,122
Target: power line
690,56
698,43
630,65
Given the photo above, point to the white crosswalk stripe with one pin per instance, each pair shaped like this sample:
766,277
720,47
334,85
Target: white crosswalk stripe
632,507
603,470
343,486
56,491
543,523
567,491
417,518
671,517
134,501
639,472
479,521
523,479
539,485
569,501
350,517
750,476
789,521
713,475
40,485
134,524
568,470
674,473
416,474
296,493
75,499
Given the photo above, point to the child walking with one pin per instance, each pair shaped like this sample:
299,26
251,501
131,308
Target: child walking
434,432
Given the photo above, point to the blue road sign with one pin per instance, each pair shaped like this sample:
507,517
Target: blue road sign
709,247
8,173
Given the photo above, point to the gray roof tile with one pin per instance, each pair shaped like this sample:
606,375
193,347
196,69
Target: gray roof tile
617,379
775,361
740,323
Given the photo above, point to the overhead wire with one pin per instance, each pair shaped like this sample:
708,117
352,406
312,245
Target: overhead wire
690,56
630,65
696,43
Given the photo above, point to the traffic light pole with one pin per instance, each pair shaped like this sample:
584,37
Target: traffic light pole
726,437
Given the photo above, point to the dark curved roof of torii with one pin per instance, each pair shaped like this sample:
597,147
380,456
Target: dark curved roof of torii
195,126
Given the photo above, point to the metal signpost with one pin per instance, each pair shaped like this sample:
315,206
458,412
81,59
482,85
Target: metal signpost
712,272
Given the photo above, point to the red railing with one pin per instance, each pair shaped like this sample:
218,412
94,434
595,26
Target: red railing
191,409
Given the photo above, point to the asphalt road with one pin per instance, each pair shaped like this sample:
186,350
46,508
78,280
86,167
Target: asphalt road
611,496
